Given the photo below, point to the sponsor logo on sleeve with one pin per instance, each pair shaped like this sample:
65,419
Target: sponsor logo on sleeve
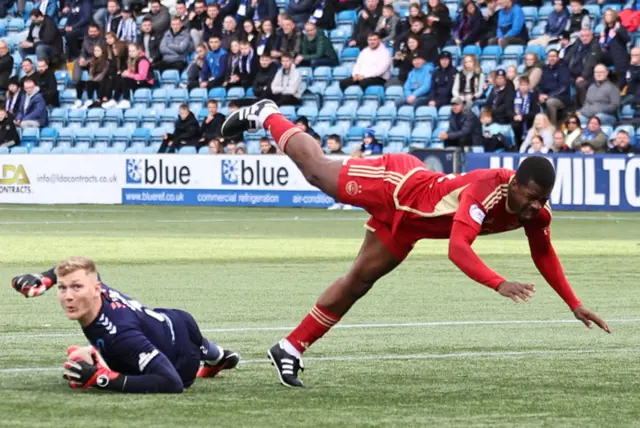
145,358
477,214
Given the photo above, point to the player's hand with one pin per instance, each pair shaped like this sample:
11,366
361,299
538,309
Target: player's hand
588,318
516,291
83,375
31,284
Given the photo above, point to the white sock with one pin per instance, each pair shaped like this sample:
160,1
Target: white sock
290,349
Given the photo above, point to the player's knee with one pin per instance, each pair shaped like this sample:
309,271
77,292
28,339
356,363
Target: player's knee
359,284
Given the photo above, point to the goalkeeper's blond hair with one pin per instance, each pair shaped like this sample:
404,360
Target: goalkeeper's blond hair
75,263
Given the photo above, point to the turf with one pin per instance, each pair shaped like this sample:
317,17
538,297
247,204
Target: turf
427,346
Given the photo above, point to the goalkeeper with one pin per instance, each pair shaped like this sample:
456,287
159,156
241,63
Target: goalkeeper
142,350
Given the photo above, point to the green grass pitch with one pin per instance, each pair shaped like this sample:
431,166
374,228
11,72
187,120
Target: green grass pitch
426,348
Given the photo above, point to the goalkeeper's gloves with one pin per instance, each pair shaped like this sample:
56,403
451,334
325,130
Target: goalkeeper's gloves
31,284
83,375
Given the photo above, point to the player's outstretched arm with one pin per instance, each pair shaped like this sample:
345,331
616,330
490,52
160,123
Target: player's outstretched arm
159,376
34,284
463,256
549,266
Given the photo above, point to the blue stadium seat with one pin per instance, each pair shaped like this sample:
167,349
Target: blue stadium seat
386,115
406,115
113,117
493,52
218,94
133,150
83,135
150,119
444,113
235,93
594,11
538,30
178,96
349,55
4,150
327,114
100,147
138,146
355,134
545,11
399,134
102,136
339,35
58,150
157,134
289,112
373,96
333,97
30,136
170,78
132,117
346,114
48,136
81,147
306,73
352,95
472,50
420,136
76,118
15,25
121,135
64,145
513,52
187,150
627,112
19,150
159,98
341,72
322,74
118,147
142,97
67,97
347,17
95,117
197,97
426,115
310,113
168,116
365,115
536,49
530,13
394,93
62,80
41,150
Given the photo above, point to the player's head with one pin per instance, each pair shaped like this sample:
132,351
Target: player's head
79,289
531,187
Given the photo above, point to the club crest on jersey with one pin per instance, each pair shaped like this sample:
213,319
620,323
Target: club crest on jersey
477,214
102,381
352,188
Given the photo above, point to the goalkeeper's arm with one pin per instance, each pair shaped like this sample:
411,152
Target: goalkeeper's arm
35,284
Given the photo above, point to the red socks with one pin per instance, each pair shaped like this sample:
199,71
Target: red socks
281,129
313,327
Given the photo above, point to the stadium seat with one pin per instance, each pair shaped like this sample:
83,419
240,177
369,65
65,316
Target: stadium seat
95,116
365,115
536,49
41,150
187,150
68,97
170,78
121,135
493,52
15,25
322,74
19,150
310,113
157,134
102,135
420,136
62,80
113,117
142,97
100,147
48,136
406,114
349,55
627,112
346,115
83,135
472,50
218,94
197,97
443,113
373,96
250,93
133,116
341,72
235,93
307,74
394,93
289,112
168,116
81,147
159,98
4,150
347,17
30,136
352,96
513,52
76,118
327,114
178,96
399,134
426,115
545,11
386,115
141,135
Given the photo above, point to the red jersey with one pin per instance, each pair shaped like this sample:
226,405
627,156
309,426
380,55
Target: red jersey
407,203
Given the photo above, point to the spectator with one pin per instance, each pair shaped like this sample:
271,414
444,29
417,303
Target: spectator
348,5
556,24
248,66
99,11
46,81
82,62
232,74
500,99
554,86
334,145
622,144
174,48
469,82
212,22
632,80
229,8
117,55
127,28
249,32
511,25
43,38
216,147
603,97
196,22
241,149
373,66
47,7
526,107
6,65
492,133
303,124
149,41
388,25
559,143
587,149
369,147
195,68
578,20
613,42
9,136
112,18
316,48
287,83
418,84
537,146
442,81
229,32
367,22
439,21
266,148
581,58
160,18
403,58
264,77
532,70
465,129
14,97
137,75
490,21
301,10
95,86
512,74
214,67
574,131
212,124
541,128
415,27
78,19
28,71
182,13
186,132
593,137
262,11
230,147
33,112
290,39
266,39
470,27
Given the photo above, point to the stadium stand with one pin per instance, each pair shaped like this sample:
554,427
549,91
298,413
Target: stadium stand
328,108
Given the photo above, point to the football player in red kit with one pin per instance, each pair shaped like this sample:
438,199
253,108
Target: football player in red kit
408,203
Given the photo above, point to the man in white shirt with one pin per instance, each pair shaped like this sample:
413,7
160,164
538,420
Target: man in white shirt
373,66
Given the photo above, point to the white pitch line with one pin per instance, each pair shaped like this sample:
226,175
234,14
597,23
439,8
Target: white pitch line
260,220
343,326
395,357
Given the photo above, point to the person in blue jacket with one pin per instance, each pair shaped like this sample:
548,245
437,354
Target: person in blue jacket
33,112
215,65
418,84
79,17
511,25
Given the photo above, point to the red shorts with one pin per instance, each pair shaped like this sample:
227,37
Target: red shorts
370,184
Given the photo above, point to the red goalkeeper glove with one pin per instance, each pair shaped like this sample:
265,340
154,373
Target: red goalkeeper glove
31,284
83,375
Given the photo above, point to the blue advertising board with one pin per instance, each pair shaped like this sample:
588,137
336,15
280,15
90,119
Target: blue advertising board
583,183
